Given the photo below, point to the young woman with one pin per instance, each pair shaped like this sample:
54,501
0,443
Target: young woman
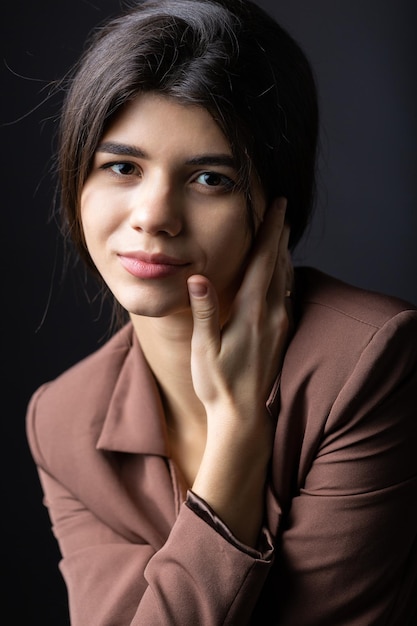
243,449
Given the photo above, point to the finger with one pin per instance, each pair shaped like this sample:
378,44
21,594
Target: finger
280,287
281,281
263,260
205,311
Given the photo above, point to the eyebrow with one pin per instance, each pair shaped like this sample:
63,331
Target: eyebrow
122,149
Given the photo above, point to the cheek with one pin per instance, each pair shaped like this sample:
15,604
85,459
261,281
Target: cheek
97,214
227,245
87,210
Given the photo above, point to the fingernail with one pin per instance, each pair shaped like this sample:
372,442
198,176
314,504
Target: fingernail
197,289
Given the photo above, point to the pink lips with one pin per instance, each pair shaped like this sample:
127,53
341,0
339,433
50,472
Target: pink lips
142,265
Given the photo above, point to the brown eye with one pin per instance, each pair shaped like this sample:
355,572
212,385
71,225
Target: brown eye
211,178
121,168
214,179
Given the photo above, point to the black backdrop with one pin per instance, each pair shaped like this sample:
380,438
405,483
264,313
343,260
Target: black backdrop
365,228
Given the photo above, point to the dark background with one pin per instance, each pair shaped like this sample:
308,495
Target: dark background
365,228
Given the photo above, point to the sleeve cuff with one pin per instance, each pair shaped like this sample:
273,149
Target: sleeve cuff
205,512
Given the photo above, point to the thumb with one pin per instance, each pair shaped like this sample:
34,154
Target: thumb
205,310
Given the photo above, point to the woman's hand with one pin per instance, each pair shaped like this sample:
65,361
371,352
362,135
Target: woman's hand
239,362
233,370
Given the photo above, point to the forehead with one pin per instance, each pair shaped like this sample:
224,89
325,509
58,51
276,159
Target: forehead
163,122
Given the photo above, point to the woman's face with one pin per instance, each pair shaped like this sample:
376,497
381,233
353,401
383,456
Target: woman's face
161,204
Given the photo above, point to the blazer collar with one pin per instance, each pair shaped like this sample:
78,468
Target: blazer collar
134,421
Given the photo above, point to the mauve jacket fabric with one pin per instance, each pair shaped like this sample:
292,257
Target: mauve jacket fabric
339,544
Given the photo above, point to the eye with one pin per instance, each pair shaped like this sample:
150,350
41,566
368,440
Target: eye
121,168
216,180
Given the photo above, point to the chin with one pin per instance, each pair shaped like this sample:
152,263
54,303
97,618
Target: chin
152,302
156,309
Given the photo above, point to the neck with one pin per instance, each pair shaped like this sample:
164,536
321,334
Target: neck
166,345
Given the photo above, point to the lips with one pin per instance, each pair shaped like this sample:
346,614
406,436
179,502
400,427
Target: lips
147,266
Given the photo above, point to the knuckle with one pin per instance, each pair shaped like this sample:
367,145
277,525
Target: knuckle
203,313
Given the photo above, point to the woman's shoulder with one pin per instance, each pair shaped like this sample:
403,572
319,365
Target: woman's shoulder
339,326
84,389
318,291
98,368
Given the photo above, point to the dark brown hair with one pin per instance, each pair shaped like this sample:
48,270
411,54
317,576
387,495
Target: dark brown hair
228,56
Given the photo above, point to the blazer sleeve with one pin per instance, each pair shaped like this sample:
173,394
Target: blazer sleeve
349,548
196,577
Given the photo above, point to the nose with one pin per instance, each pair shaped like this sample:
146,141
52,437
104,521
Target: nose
155,208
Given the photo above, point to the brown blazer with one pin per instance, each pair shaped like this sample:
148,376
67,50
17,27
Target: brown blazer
339,544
